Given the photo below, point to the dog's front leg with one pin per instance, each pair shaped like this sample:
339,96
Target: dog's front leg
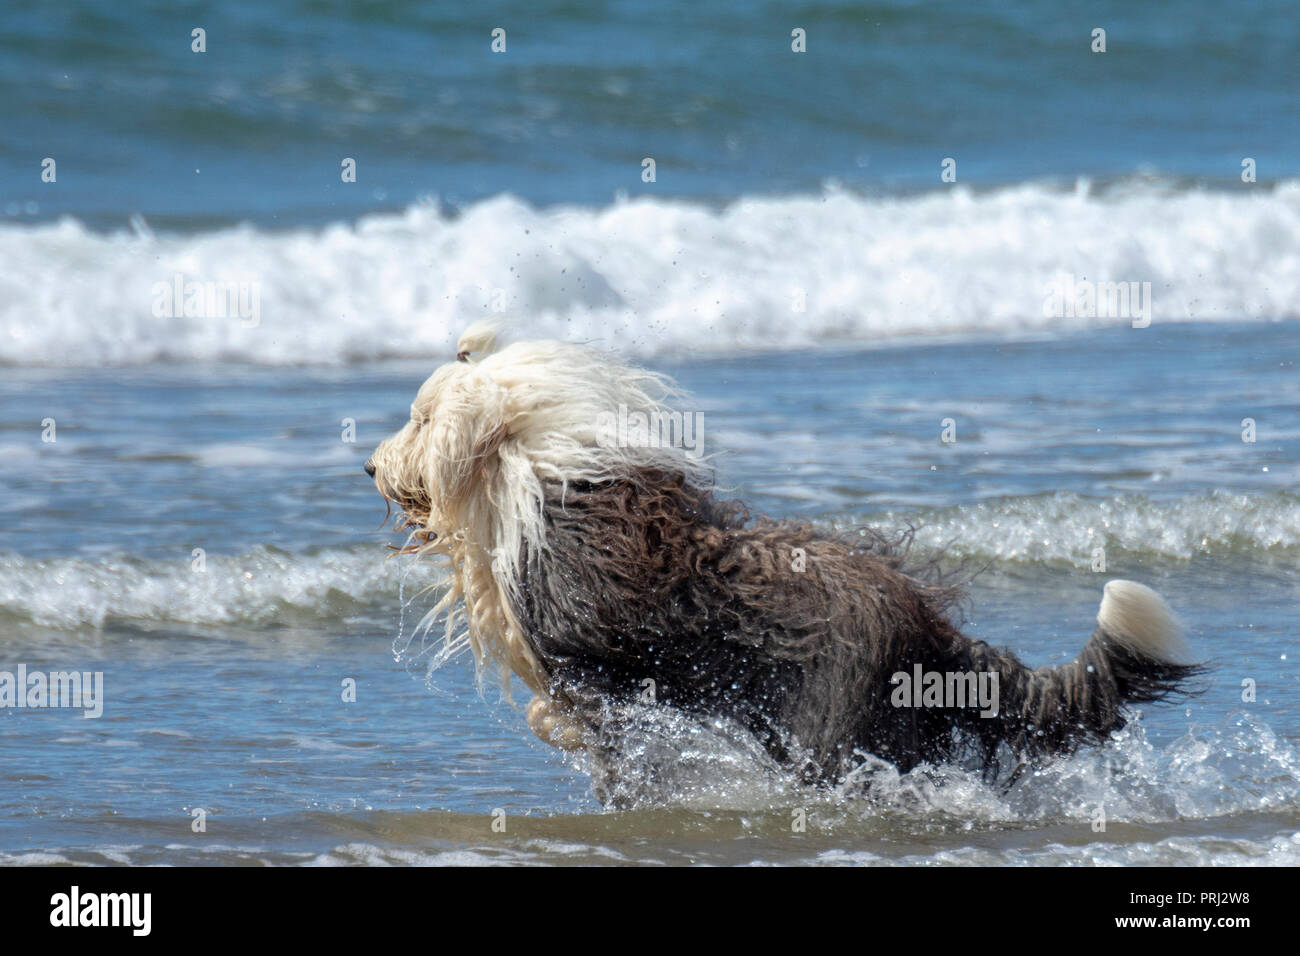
601,731
553,725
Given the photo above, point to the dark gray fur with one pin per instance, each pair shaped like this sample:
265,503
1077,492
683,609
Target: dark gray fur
650,577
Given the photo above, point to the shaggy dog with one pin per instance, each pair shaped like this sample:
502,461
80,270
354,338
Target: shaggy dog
594,568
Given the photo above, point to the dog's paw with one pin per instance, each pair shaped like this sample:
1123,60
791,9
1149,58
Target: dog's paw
552,726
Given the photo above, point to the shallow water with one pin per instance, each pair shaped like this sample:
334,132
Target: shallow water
223,687
200,530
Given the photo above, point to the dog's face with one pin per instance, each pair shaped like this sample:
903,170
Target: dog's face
460,479
429,466
488,429
488,434
396,463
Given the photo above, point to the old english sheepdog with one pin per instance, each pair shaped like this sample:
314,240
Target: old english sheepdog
602,571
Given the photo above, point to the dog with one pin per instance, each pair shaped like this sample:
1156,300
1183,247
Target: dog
595,568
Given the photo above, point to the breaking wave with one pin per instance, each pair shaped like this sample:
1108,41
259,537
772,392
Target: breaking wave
268,585
646,276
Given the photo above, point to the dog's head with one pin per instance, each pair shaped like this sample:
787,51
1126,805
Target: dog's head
430,465
489,428
487,432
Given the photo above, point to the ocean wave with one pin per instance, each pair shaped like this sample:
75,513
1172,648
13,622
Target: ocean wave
267,585
262,586
645,276
1278,848
1222,793
1069,528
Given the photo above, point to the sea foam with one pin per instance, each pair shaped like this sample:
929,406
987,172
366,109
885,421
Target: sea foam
266,585
651,276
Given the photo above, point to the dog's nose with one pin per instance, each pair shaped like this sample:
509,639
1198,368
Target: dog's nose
370,468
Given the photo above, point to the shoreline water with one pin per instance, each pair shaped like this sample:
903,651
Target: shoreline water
968,270
222,688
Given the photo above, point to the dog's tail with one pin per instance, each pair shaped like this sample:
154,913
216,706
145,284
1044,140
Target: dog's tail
1136,655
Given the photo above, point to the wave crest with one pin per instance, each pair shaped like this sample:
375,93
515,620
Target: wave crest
649,275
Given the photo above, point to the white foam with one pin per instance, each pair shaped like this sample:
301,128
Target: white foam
650,275
261,586
1067,527
265,584
1236,764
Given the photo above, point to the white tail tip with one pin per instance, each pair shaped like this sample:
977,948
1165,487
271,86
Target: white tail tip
1139,619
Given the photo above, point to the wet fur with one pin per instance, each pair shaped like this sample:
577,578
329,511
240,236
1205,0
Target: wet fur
652,579
593,570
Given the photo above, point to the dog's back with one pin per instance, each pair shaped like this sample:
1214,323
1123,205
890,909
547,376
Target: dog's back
650,589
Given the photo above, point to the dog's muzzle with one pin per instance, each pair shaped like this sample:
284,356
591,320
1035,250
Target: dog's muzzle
370,468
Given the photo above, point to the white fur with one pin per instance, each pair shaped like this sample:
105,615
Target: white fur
552,726
485,433
1139,619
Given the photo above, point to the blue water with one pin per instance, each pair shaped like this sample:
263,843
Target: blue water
224,686
256,127
797,265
